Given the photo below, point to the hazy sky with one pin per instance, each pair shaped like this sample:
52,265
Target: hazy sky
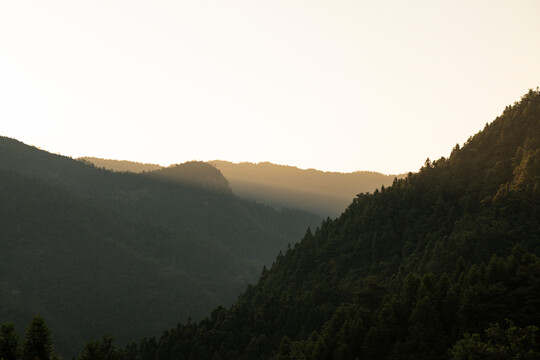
333,85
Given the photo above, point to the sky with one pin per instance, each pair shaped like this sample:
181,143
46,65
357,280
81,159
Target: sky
334,85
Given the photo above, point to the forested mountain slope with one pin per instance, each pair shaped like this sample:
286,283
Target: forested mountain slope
90,271
196,173
96,252
191,172
250,230
404,272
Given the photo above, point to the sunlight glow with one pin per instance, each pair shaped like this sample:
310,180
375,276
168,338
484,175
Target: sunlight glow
333,85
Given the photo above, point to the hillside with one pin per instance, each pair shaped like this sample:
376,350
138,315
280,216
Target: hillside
124,253
88,269
251,230
405,272
195,173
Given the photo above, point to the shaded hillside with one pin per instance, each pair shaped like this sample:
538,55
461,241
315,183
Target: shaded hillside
89,270
195,173
121,252
253,231
121,165
324,193
405,272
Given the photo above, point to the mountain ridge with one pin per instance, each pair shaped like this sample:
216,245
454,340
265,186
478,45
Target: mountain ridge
196,173
322,192
325,193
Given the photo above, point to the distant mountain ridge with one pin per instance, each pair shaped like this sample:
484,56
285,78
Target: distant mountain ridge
196,173
320,192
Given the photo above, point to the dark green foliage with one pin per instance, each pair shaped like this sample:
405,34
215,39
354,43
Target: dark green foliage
38,342
498,343
103,349
404,272
9,342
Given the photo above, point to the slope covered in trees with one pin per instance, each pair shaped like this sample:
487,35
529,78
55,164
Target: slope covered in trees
100,252
196,173
407,272
38,342
89,270
250,230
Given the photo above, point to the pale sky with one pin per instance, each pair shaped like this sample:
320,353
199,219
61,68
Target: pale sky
333,85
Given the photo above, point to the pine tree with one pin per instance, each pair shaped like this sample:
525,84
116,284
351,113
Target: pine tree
100,350
9,342
39,341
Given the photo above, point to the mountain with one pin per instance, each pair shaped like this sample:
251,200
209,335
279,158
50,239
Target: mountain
319,192
441,264
251,230
323,193
196,173
89,270
96,251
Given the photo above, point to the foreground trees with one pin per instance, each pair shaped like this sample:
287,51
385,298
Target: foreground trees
38,342
497,342
9,342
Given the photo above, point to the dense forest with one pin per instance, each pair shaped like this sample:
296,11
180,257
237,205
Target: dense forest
441,264
96,252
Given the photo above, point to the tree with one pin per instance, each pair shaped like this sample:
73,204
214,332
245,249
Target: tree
9,342
498,343
100,350
426,338
39,341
